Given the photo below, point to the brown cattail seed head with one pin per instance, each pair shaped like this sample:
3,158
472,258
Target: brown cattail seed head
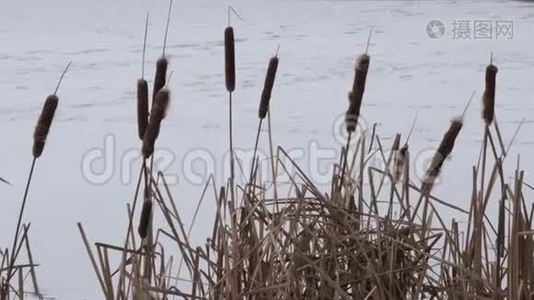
158,113
396,142
144,221
399,160
43,124
488,99
444,150
142,107
356,95
268,87
161,76
229,58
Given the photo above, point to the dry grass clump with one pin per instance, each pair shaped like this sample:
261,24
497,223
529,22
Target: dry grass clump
365,239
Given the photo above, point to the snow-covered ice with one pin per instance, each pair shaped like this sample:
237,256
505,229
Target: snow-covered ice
319,40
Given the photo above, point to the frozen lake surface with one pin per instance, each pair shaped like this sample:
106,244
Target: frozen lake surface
412,71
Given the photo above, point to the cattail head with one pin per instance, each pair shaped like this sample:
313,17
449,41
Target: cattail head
362,62
399,163
444,150
144,221
229,58
356,95
43,124
142,107
396,142
157,114
161,76
268,87
488,99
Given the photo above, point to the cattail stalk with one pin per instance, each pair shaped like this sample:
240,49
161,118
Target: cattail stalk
39,138
264,103
488,99
229,72
399,155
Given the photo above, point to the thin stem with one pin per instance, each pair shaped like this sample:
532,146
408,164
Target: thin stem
277,50
130,226
232,10
144,47
167,27
468,103
232,170
368,40
61,78
19,221
411,129
345,161
255,149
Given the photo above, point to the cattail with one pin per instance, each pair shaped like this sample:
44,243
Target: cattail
146,211
160,78
142,107
396,163
229,58
268,87
396,143
142,92
488,99
43,125
356,95
444,150
157,114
